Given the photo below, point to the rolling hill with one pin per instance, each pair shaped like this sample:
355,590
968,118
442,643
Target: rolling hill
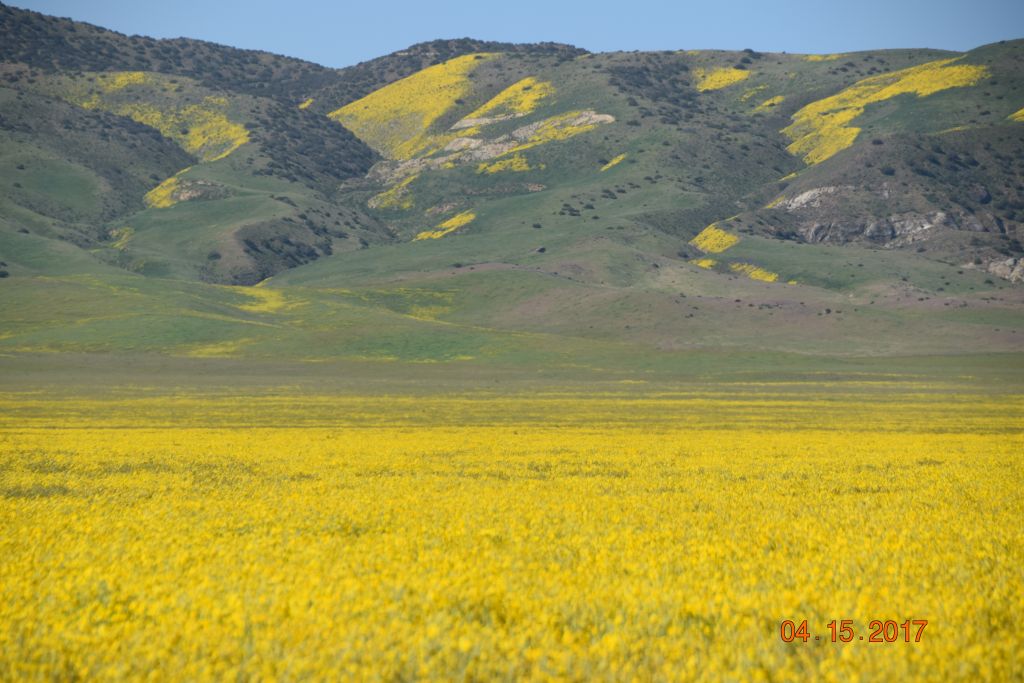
485,204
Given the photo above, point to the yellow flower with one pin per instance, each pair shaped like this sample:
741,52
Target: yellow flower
447,227
397,119
714,240
821,129
611,535
754,272
516,100
614,162
716,79
516,163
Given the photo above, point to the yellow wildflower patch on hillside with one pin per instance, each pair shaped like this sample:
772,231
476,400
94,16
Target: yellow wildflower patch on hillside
615,161
714,240
770,103
162,196
753,91
121,237
397,197
447,227
716,79
1017,115
822,129
210,134
118,80
264,300
203,129
518,99
591,537
561,127
515,163
822,58
306,104
706,263
754,272
396,119
226,349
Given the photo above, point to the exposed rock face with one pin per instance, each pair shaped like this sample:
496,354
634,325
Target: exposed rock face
913,227
843,214
1011,269
483,121
191,190
811,198
468,150
895,230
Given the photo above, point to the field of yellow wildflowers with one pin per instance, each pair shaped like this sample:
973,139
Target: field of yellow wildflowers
550,536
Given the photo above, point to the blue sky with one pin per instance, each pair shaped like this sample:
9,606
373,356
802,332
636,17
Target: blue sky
342,33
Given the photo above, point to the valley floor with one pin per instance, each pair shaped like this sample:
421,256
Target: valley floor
660,533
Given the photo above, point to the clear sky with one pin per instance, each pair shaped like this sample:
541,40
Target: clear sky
339,33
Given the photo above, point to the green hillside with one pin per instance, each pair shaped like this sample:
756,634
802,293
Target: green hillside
523,206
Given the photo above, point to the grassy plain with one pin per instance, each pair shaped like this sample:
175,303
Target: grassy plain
507,407
621,530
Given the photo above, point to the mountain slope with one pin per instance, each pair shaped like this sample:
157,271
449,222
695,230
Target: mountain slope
262,105
725,145
466,201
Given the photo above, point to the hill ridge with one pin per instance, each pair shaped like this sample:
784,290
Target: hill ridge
460,197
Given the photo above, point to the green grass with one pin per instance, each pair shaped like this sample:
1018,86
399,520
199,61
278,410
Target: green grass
28,254
38,179
176,241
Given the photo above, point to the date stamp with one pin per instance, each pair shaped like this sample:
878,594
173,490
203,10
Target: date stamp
843,631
